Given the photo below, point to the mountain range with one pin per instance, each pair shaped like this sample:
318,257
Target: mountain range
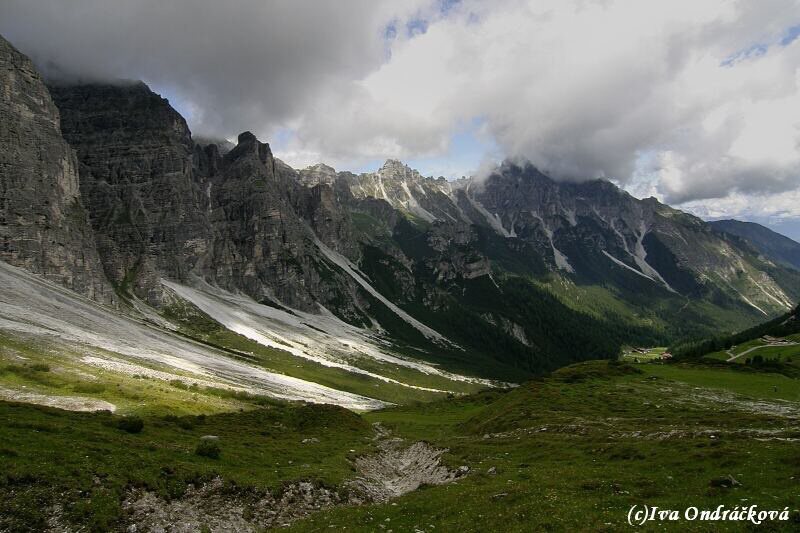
383,286
773,246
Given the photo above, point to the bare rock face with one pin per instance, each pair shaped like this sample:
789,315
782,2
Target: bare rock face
147,203
594,228
325,202
162,206
43,223
263,244
405,189
317,174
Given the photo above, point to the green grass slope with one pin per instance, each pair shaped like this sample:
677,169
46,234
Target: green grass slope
569,452
575,451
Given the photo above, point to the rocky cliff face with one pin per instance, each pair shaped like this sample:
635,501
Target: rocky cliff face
43,224
590,228
590,233
163,206
263,244
406,190
147,202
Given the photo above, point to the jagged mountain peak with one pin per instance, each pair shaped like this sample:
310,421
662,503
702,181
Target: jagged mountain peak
393,163
394,169
321,167
249,145
246,137
317,174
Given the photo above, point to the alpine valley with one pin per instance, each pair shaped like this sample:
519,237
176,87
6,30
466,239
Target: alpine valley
214,296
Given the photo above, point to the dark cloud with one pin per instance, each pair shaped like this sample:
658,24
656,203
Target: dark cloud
245,64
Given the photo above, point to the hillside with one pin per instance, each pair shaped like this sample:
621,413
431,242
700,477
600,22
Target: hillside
774,344
772,245
572,451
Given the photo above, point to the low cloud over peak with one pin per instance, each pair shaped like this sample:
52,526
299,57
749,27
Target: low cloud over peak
687,100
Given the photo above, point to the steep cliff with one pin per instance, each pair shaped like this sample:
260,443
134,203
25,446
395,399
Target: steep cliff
163,206
147,203
262,245
43,223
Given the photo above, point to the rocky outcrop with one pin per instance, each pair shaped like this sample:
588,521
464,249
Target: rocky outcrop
591,231
165,207
317,175
43,223
219,506
223,145
147,203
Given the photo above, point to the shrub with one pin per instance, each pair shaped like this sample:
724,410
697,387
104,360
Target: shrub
89,388
178,384
131,424
208,448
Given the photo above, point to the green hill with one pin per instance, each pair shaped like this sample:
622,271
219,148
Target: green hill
572,451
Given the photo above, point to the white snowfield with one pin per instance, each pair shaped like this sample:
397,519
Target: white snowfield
323,337
32,306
